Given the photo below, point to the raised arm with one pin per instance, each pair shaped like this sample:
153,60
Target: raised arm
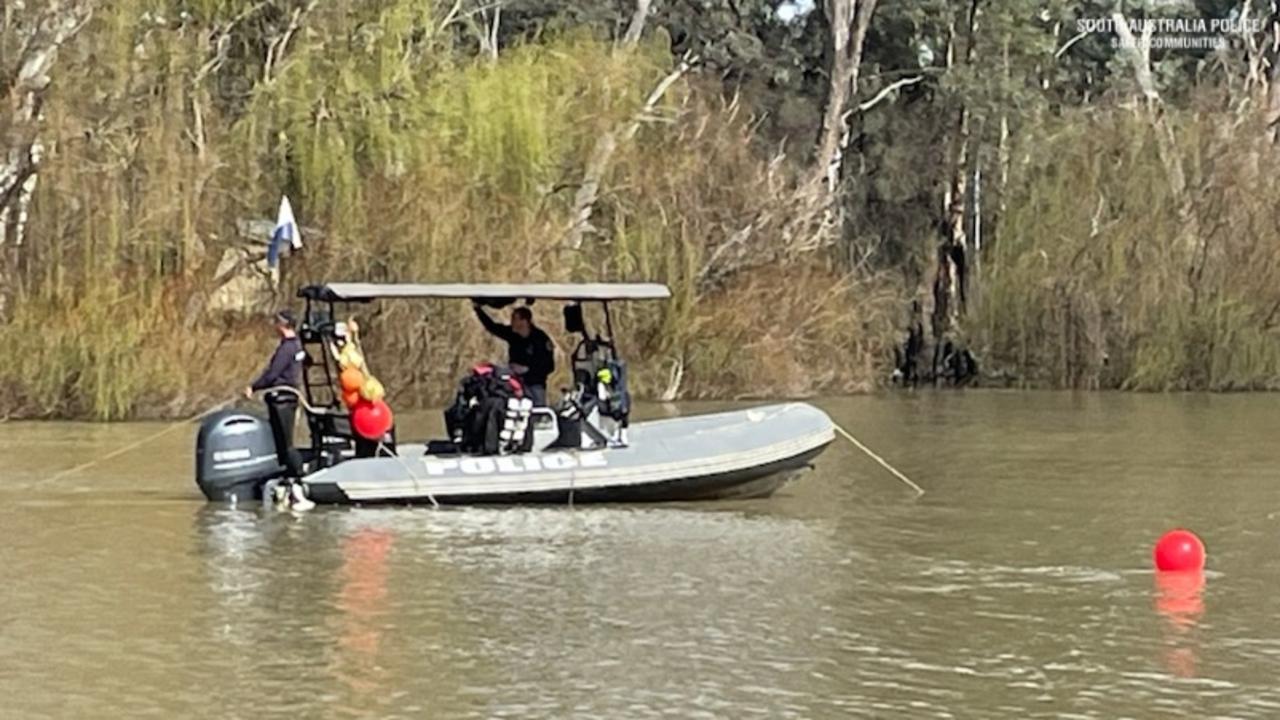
495,328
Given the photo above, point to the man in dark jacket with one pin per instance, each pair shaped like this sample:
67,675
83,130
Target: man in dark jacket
283,369
530,352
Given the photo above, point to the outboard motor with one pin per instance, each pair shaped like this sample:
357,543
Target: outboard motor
235,455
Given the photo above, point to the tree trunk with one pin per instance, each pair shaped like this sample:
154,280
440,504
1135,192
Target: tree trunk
1002,147
810,217
1273,104
1271,107
39,35
848,21
950,288
1138,52
636,27
956,237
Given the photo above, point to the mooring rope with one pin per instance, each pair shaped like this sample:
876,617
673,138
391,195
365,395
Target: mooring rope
302,399
170,428
884,463
135,445
417,486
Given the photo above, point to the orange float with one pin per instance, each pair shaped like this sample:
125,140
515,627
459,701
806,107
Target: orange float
351,379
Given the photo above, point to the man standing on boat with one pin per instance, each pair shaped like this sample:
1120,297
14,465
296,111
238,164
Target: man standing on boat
530,352
284,369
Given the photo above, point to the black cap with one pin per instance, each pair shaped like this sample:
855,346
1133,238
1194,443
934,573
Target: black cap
285,317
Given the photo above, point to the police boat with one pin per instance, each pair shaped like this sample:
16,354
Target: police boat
500,449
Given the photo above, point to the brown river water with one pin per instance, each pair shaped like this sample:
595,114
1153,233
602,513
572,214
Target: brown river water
1019,586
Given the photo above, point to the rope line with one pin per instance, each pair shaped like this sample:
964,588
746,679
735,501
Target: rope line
302,399
165,431
884,463
135,445
417,487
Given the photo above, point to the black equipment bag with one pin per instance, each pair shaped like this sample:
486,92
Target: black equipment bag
475,419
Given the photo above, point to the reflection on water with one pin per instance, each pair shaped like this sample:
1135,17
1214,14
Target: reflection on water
1179,597
1180,600
1019,586
361,603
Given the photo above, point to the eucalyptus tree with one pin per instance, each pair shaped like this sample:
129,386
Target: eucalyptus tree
31,36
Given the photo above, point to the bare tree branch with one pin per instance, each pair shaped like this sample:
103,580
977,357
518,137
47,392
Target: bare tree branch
880,96
277,48
602,153
1067,45
636,26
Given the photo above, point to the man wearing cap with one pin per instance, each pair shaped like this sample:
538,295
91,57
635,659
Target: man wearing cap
284,369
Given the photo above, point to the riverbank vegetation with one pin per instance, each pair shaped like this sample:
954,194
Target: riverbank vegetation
1076,214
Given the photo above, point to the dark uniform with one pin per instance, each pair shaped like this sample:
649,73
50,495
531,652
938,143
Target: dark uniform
284,368
535,352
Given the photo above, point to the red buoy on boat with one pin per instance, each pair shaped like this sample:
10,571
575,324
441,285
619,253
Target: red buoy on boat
371,420
1179,550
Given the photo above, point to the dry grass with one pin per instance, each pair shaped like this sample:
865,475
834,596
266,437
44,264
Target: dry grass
1101,278
466,172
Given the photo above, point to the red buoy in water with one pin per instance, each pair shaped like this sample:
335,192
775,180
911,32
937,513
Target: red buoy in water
1179,550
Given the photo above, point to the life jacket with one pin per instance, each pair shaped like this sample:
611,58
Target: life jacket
612,390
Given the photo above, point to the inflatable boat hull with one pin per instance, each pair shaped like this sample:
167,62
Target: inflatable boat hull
739,454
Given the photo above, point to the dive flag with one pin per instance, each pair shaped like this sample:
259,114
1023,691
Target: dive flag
286,230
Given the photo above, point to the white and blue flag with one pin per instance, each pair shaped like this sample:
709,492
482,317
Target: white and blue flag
286,231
